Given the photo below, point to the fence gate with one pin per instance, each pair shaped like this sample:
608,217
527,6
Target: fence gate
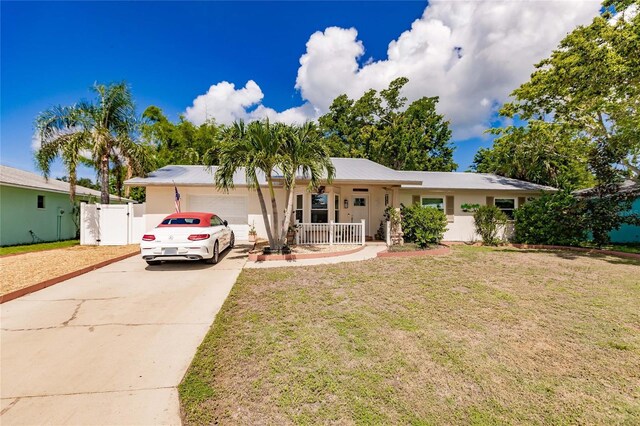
111,225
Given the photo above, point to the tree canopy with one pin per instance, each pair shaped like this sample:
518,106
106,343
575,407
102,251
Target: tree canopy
100,133
378,127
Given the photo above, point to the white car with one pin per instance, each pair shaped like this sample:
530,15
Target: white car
187,236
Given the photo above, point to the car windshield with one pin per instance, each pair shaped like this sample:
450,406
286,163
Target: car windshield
181,221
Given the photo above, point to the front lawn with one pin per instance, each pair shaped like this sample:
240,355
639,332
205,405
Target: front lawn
27,248
480,336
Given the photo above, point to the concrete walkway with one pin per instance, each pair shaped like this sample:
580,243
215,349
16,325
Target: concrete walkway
369,252
110,346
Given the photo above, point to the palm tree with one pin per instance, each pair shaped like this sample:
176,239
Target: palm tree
304,155
102,130
254,149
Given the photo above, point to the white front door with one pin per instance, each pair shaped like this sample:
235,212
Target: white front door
360,207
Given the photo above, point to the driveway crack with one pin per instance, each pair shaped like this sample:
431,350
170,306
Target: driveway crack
8,407
75,313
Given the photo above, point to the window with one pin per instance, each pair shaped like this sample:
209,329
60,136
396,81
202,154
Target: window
41,201
181,221
359,202
386,200
507,205
319,208
216,221
436,203
299,200
336,206
360,189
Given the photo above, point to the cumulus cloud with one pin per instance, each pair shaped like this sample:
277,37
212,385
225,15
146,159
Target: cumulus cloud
470,53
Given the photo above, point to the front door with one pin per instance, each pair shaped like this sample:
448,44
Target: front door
360,205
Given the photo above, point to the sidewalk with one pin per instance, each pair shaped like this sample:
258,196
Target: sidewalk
369,252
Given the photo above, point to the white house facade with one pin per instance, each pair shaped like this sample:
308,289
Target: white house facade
361,190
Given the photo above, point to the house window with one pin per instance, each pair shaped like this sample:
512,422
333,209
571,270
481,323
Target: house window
299,199
319,208
336,206
360,202
41,201
507,205
386,200
436,203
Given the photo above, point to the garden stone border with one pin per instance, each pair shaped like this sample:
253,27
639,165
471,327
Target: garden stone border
255,257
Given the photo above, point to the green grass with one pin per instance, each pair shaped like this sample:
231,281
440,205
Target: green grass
481,336
27,248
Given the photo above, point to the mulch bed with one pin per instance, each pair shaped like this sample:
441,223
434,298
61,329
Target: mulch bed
36,270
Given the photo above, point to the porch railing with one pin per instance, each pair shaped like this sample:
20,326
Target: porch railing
331,233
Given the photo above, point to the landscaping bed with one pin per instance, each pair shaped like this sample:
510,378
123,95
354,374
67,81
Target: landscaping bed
26,269
481,336
303,251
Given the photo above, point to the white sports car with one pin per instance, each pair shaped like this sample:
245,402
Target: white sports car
187,236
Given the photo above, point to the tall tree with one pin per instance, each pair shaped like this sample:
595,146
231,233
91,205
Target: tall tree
253,148
303,155
589,88
104,129
538,152
182,142
377,126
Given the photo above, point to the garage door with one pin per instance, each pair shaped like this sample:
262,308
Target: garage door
232,208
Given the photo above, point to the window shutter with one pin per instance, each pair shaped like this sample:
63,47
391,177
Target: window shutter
521,201
415,199
490,201
449,205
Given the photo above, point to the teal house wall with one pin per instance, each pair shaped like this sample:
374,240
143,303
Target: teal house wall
19,213
628,233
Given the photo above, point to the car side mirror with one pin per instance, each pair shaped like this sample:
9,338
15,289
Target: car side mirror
225,223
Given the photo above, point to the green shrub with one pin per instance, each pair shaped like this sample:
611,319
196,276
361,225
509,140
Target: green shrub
489,222
423,225
554,219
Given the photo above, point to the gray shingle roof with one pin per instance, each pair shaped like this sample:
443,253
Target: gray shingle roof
23,179
628,186
461,180
350,170
185,176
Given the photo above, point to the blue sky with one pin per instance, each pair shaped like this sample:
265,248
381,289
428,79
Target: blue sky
172,53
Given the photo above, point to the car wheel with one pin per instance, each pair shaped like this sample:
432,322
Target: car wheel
153,262
232,241
216,253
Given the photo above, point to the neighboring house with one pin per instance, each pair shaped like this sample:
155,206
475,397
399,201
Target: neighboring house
34,209
626,233
361,189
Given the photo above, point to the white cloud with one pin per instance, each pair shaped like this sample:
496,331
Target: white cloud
470,53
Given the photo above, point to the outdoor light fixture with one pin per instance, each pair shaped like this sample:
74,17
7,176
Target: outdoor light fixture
346,203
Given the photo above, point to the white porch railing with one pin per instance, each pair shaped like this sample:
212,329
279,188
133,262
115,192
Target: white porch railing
331,233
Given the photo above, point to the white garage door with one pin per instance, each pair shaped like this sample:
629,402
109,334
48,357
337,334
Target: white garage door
232,208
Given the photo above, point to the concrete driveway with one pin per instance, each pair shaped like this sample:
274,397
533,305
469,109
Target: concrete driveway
110,346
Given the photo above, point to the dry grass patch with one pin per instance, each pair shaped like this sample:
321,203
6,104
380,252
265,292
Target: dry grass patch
483,336
31,268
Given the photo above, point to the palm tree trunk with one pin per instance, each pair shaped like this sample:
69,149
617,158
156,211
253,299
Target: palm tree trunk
104,179
265,216
72,184
127,189
287,213
274,212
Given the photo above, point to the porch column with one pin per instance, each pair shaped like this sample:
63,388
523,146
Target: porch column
396,197
363,232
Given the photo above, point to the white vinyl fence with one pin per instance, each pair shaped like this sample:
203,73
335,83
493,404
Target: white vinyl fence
331,233
111,224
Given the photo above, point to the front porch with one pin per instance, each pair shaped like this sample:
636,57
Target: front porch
343,214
